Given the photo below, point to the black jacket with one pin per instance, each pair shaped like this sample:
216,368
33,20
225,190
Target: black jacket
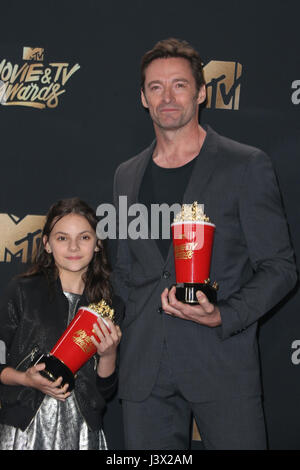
33,315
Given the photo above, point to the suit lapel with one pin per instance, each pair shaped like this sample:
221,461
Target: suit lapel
139,172
203,169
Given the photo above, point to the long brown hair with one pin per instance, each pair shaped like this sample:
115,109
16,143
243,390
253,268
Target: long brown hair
96,278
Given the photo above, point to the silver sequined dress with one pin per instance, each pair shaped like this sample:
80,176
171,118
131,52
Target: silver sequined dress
57,425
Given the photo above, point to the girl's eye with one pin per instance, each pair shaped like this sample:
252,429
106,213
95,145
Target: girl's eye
85,237
61,238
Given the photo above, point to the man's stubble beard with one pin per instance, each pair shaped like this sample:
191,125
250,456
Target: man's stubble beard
183,120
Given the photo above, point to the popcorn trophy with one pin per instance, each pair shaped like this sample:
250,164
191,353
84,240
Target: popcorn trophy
75,347
193,234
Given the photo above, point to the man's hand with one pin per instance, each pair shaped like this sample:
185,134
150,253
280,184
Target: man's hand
205,313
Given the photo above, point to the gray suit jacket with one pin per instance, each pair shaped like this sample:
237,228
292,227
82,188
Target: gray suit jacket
252,261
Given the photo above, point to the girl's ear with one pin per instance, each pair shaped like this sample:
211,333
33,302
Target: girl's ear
46,244
98,246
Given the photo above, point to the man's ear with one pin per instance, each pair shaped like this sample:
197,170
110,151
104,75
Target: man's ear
144,99
201,94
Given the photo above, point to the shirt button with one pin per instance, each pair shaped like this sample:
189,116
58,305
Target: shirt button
166,274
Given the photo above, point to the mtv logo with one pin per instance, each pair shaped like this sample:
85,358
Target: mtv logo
33,53
223,84
19,237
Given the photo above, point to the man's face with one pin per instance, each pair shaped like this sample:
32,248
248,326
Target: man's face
170,93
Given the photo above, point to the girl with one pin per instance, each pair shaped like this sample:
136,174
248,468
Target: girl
70,270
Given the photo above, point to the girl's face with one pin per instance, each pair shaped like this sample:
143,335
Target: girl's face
72,242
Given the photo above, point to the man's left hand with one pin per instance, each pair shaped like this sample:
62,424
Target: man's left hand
205,313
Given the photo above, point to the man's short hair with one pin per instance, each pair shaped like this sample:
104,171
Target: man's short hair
174,48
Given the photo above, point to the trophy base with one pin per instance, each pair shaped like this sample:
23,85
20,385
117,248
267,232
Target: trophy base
55,369
186,292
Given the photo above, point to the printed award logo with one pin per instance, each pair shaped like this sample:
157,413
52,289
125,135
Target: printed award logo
33,53
34,83
223,84
19,237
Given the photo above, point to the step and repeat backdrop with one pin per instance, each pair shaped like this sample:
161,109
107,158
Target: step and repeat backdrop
70,113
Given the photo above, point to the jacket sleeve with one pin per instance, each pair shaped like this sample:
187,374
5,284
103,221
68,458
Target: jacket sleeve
107,386
266,233
9,316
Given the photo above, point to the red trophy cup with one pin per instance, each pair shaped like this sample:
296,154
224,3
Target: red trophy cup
74,348
193,235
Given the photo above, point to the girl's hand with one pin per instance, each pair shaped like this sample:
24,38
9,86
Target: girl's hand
32,378
109,336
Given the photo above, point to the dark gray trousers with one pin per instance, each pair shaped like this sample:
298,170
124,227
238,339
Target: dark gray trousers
163,420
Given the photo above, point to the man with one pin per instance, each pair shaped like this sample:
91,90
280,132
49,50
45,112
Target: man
178,359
